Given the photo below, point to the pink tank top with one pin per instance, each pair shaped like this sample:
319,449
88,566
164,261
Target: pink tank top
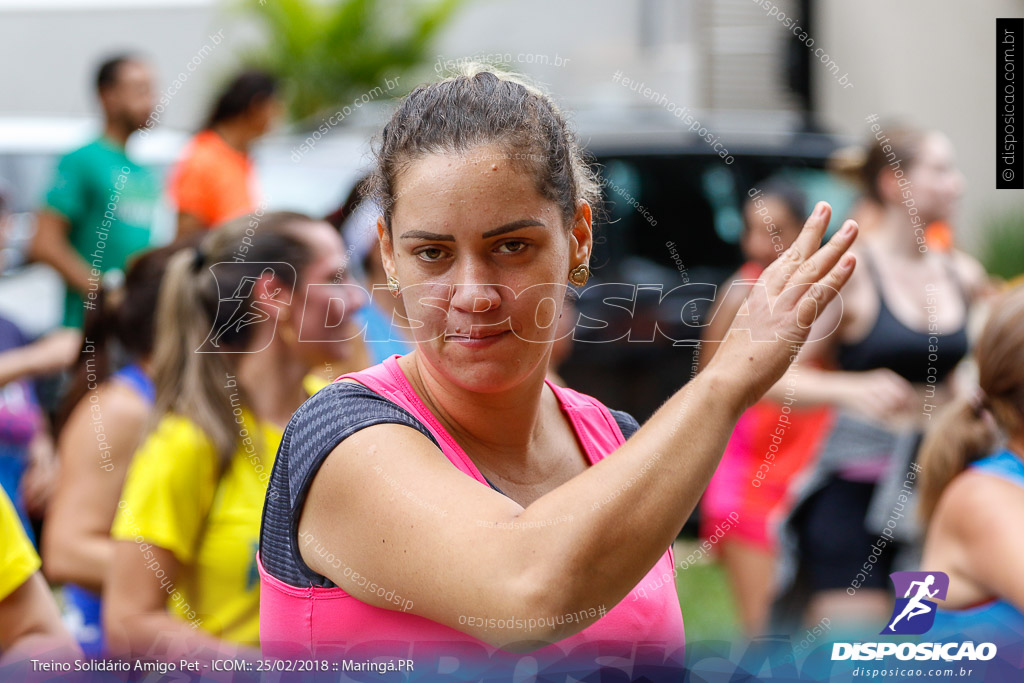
645,629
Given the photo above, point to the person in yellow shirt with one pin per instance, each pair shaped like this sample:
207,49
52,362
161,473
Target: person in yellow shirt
29,619
242,322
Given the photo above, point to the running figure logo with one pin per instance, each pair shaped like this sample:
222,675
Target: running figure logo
242,307
914,613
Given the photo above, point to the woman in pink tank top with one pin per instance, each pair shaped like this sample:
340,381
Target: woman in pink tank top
452,511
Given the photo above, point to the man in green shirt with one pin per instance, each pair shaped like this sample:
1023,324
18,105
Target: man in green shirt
100,209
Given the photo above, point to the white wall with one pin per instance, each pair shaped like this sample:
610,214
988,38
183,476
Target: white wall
51,50
57,45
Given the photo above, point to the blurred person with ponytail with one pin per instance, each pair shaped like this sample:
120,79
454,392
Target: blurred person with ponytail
182,572
103,418
215,180
972,489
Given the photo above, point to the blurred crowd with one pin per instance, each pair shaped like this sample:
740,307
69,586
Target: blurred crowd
132,500
170,400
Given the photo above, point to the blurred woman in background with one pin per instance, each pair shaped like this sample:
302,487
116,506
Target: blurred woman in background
105,415
892,341
972,490
236,340
771,444
215,179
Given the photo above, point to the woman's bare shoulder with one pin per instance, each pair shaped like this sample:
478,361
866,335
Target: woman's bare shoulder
976,502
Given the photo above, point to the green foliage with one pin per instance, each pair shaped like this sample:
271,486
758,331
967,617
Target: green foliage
329,53
1003,251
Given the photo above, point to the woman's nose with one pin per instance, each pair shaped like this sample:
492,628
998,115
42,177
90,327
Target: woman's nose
476,297
474,289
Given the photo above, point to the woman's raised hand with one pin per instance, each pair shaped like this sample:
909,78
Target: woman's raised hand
777,315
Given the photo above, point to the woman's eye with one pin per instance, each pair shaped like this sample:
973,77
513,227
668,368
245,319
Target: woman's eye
512,246
431,254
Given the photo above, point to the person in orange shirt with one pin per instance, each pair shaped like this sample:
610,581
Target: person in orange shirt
215,180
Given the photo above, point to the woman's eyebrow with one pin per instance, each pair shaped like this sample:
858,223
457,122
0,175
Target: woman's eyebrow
443,237
424,235
514,225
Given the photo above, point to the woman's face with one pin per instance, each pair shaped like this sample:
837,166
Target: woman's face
936,183
262,117
769,229
321,313
483,261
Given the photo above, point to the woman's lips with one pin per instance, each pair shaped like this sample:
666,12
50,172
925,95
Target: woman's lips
477,341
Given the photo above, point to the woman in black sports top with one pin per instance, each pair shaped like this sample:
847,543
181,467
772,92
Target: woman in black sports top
894,338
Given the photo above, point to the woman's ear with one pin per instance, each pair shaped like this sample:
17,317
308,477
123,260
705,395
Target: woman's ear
888,185
387,248
581,242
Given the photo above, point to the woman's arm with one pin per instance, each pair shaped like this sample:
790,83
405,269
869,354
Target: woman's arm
30,623
52,353
40,478
373,505
94,451
136,622
879,395
973,276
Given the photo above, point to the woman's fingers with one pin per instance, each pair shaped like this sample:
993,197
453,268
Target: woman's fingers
825,259
806,243
807,276
820,294
809,238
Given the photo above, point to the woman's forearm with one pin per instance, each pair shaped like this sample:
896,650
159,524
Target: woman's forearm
161,634
626,510
30,622
813,385
81,559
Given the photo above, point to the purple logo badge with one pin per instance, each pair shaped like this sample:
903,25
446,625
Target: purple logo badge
914,612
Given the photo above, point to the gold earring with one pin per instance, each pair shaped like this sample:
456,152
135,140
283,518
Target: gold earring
393,285
579,275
